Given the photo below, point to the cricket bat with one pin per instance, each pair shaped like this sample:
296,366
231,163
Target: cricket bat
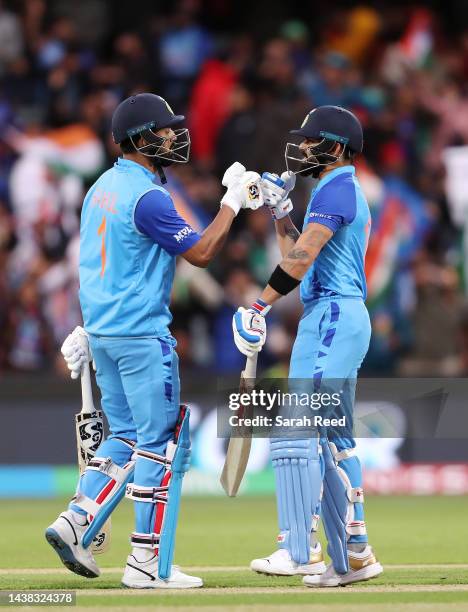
89,435
238,450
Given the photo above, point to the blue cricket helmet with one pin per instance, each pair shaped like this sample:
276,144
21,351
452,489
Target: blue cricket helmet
333,123
144,111
143,115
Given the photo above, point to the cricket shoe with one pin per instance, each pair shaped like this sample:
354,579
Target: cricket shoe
64,535
144,575
280,563
362,566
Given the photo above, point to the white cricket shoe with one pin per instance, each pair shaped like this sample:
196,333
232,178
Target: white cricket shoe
362,566
144,575
280,563
64,535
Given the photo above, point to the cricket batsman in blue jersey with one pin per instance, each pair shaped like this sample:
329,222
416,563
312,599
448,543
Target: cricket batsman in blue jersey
130,237
319,475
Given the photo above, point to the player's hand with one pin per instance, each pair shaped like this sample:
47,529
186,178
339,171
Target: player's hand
233,174
243,188
249,330
76,351
276,191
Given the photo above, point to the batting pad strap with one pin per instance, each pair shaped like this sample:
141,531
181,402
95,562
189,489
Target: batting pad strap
356,528
86,503
107,500
145,540
346,453
129,443
108,467
147,494
315,522
356,495
293,449
161,459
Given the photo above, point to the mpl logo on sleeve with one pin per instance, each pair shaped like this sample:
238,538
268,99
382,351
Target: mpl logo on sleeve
183,233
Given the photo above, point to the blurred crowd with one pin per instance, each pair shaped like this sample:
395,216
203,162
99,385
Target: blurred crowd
402,68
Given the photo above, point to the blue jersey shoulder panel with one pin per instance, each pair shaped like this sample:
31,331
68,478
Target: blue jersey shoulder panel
335,203
339,203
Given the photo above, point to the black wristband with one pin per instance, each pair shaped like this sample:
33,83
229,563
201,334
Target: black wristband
282,282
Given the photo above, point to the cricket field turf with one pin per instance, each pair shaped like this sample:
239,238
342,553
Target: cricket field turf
422,543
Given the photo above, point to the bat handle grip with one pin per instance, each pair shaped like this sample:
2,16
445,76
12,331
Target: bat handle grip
250,370
86,389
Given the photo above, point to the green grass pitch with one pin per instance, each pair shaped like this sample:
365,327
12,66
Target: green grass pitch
421,541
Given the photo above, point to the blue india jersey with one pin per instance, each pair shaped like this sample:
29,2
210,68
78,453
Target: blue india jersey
338,203
130,236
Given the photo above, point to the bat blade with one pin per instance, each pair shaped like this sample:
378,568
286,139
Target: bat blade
89,435
237,457
238,451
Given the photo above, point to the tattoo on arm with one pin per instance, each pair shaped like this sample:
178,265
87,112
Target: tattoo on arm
314,238
308,246
293,233
297,254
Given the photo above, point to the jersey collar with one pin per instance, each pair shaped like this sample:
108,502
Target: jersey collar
129,164
334,173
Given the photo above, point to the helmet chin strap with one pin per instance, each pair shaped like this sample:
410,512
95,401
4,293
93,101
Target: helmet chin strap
316,171
159,165
162,175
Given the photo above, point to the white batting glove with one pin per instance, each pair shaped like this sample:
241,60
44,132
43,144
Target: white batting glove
232,174
249,328
275,192
76,351
243,189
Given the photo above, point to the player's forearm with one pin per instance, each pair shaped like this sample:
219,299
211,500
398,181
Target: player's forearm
215,235
287,234
299,259
296,262
269,295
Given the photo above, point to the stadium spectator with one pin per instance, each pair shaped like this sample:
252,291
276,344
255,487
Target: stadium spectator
402,69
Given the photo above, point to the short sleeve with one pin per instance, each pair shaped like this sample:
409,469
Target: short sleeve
156,217
334,205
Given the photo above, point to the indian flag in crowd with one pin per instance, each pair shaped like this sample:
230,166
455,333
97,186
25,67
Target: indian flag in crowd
400,223
417,41
71,149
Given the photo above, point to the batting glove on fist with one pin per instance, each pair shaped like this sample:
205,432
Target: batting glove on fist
243,188
76,351
249,328
275,192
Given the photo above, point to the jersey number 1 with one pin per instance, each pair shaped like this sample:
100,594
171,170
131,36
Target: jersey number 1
102,232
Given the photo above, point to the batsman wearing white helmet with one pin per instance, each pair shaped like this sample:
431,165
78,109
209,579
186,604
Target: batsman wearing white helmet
130,237
319,474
